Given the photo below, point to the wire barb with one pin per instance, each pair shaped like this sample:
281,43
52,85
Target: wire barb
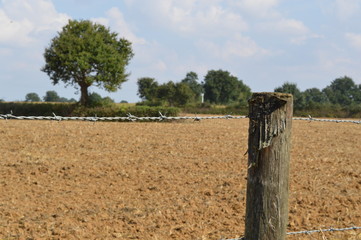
58,118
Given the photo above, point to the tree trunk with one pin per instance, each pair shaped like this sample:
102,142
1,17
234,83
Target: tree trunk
84,97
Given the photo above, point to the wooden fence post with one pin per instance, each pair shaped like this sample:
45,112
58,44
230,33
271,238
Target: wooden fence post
269,143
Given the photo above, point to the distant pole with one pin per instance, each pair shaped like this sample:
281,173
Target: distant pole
269,143
202,97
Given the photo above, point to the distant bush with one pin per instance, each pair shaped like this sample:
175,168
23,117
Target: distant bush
138,111
95,100
32,97
74,109
37,109
329,110
154,103
207,108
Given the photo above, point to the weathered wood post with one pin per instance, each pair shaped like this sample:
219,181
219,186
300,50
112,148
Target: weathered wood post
269,143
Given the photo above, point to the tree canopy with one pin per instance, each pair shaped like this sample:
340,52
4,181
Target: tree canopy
343,91
85,54
95,100
191,80
147,88
51,96
221,87
32,97
315,95
298,97
169,93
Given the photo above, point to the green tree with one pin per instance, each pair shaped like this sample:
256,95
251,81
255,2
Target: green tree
32,97
63,99
166,92
191,80
107,101
95,100
85,54
314,95
221,87
147,88
183,94
343,91
298,98
51,96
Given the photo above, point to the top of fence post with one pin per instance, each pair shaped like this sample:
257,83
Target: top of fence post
268,166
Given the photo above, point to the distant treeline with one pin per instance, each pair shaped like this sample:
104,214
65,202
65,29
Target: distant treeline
222,93
342,98
50,96
95,100
218,87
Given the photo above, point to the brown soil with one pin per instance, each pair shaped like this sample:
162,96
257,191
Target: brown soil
183,180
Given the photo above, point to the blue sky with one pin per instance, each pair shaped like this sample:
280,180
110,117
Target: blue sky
263,42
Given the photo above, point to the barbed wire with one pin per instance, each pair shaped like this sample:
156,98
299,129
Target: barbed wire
161,117
130,117
309,232
309,118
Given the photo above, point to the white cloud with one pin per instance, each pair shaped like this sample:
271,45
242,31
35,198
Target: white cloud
101,20
14,32
23,22
129,2
5,52
159,66
218,19
236,47
116,19
354,39
291,26
293,30
186,17
347,8
259,8
242,47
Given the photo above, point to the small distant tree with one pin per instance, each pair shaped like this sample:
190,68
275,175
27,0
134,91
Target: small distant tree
107,101
314,95
343,91
95,100
191,80
221,87
63,99
147,88
85,54
298,98
32,97
166,92
183,94
51,96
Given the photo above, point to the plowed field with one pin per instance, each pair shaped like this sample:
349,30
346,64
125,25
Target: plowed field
179,180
